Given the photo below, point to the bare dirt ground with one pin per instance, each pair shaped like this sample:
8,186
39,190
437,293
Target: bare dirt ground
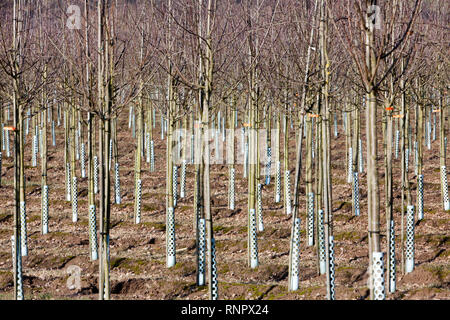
138,268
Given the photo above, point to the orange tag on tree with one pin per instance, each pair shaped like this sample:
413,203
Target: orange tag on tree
389,108
397,116
10,128
312,115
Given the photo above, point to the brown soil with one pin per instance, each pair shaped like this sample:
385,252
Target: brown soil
138,268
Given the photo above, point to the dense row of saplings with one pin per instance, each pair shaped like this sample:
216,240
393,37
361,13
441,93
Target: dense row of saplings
184,139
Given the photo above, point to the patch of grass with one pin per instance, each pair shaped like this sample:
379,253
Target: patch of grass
349,235
148,208
156,225
222,229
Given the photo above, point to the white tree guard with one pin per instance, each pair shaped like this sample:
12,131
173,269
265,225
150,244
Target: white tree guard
350,165
175,185
420,197
170,237
214,282
45,209
321,238
253,240
231,193
378,276
356,193
332,276
93,232
310,219
295,255
83,161
74,200
138,201
445,188
96,174
23,229
288,192
268,165
409,248
201,269
118,198
278,182
392,261
183,179
260,209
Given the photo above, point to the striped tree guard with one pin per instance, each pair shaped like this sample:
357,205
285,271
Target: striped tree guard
231,190
360,158
416,159
378,276
350,165
183,179
268,165
147,147
45,209
35,151
93,232
356,194
170,237
260,215
152,156
253,240
397,139
445,188
153,118
429,135
110,153
332,276
409,248
137,214
17,262
278,182
74,200
162,127
77,147
420,197
434,127
3,136
53,134
83,161
288,192
246,159
214,282
117,183
312,139
392,262
201,269
321,238
23,229
133,125
335,126
310,219
68,182
95,174
175,185
8,151
295,255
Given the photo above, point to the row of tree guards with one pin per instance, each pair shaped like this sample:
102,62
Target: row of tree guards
225,89
256,149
